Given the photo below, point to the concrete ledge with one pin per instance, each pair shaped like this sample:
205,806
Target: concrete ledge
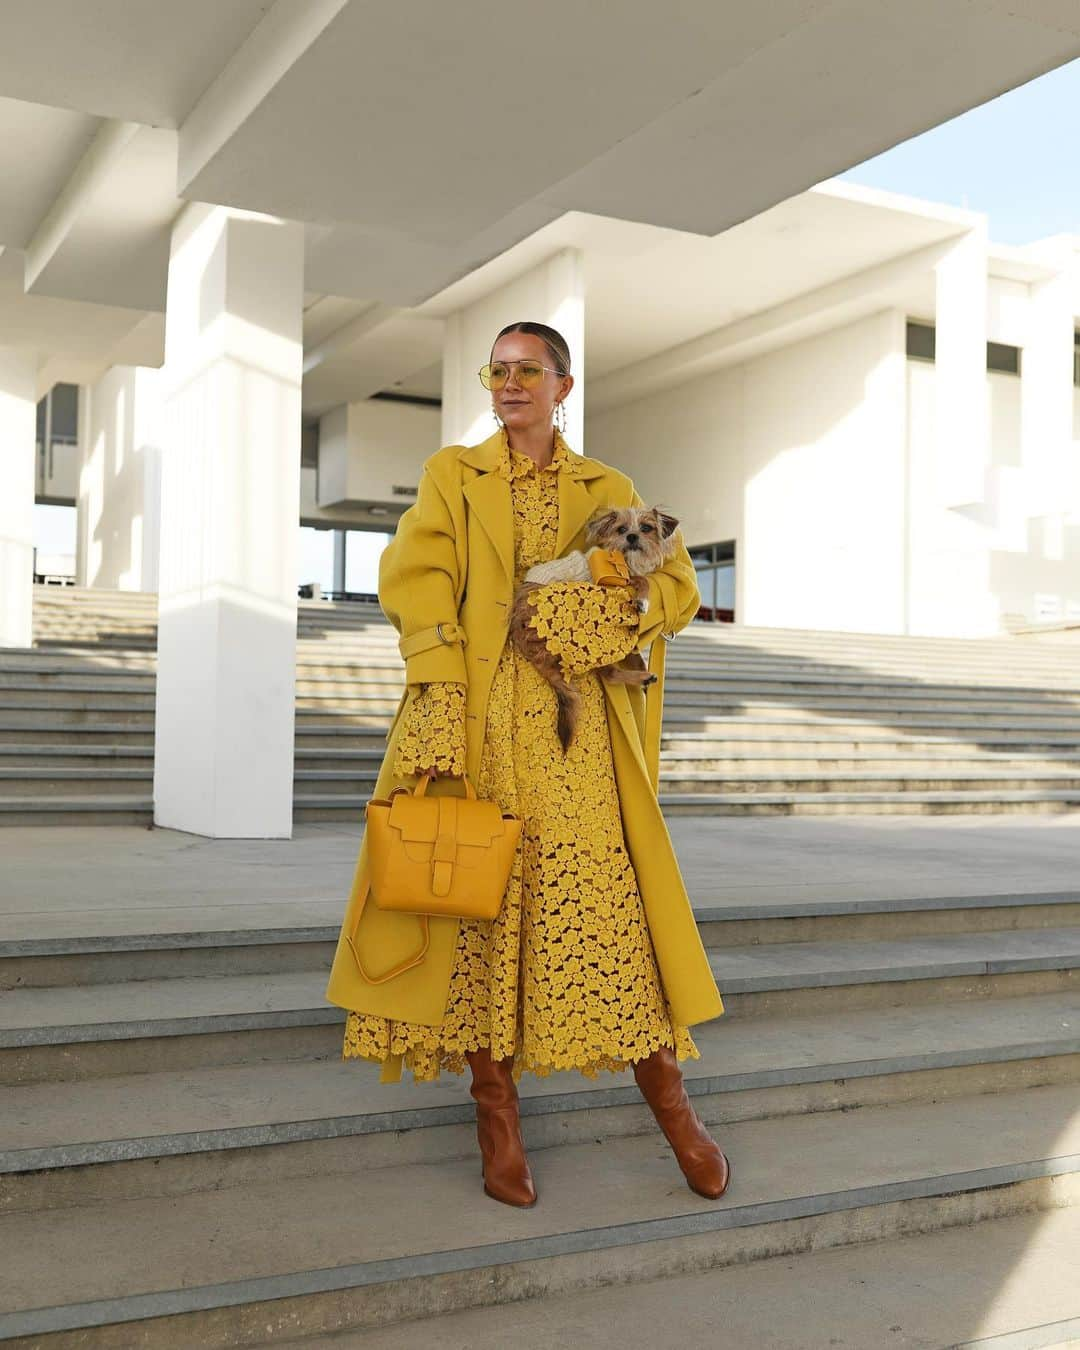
170,1113
267,929
727,1214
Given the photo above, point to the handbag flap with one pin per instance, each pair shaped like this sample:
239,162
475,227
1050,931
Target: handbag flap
477,823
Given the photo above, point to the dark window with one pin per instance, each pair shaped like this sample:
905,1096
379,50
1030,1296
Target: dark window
922,346
1003,358
715,566
920,341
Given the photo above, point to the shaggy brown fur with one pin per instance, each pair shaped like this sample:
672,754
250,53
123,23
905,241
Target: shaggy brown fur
645,538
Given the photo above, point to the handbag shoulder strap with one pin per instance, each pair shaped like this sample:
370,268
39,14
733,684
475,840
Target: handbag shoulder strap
402,966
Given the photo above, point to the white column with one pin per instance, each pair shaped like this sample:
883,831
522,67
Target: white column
961,421
120,479
230,519
1046,389
551,293
18,389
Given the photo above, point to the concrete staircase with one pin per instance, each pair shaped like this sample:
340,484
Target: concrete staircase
186,1161
757,720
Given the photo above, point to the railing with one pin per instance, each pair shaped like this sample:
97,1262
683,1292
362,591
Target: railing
313,591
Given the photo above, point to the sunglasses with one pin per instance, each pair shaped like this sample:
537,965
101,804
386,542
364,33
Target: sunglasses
529,374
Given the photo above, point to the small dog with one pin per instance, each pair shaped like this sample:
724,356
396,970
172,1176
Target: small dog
645,538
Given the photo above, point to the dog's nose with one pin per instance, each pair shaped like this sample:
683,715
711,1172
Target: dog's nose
631,538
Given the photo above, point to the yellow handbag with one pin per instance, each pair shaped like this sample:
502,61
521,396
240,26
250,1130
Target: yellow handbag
445,855
440,855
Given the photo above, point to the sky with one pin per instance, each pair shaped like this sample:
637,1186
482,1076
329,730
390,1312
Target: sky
1014,158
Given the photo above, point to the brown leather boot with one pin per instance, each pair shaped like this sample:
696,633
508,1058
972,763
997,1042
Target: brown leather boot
498,1128
703,1163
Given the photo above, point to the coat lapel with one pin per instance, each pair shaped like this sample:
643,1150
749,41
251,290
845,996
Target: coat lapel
576,505
488,495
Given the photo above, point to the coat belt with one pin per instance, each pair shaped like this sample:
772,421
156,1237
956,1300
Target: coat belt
431,637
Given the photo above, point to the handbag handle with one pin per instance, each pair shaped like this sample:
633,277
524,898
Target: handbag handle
422,786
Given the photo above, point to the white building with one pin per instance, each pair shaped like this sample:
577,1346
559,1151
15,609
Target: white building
865,414
270,245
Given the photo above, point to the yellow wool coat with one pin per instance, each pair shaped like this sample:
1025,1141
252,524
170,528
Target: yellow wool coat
446,583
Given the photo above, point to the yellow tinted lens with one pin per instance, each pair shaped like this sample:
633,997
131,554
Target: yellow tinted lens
494,376
530,374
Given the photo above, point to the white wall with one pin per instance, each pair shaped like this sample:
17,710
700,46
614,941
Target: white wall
797,456
982,571
120,480
366,449
684,450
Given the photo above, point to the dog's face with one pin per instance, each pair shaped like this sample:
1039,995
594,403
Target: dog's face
644,535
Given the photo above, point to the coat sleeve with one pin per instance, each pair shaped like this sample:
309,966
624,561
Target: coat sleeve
584,624
674,597
434,731
421,579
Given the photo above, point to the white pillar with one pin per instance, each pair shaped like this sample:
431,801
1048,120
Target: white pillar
551,293
230,519
1046,388
18,389
120,479
961,421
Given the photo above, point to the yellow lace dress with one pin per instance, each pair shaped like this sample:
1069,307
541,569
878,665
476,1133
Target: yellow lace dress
565,977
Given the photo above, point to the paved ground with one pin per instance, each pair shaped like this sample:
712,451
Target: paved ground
58,880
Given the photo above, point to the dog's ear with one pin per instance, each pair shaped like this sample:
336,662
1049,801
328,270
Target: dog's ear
598,525
666,523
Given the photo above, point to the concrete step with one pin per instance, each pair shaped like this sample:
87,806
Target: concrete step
26,782
1001,1284
799,724
91,704
165,941
106,679
128,1024
860,761
103,643
991,778
59,734
834,803
1054,708
744,781
106,692
98,809
58,662
46,757
776,979
65,1143
729,924
677,710
311,805
215,1264
749,734
788,728
362,674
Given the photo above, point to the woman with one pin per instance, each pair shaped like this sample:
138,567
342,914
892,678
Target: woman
594,961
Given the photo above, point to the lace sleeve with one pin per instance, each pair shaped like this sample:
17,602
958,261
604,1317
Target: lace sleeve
434,731
585,625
